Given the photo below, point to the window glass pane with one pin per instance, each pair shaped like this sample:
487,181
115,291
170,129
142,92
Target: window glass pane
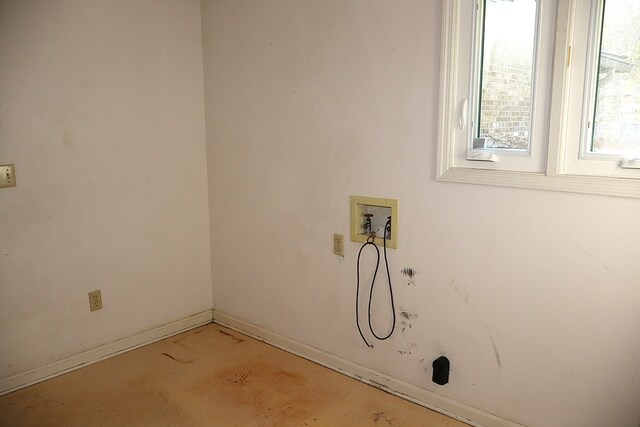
617,114
505,104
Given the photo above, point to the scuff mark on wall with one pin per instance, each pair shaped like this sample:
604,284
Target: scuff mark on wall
630,284
495,348
409,350
410,274
458,289
406,315
409,346
405,325
597,260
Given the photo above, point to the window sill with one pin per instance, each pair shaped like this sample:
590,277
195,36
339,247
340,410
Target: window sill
608,186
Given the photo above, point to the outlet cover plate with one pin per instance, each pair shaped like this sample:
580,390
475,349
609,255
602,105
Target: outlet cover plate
338,244
95,300
7,176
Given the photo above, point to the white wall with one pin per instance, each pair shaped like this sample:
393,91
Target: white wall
101,110
533,295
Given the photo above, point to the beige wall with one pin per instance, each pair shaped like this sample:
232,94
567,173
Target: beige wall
533,295
101,110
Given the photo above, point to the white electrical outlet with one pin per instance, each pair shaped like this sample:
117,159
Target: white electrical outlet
338,244
95,300
7,176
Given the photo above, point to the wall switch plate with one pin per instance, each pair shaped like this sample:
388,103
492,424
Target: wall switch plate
338,244
7,176
95,300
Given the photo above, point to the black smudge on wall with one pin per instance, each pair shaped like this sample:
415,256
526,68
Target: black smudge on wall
409,272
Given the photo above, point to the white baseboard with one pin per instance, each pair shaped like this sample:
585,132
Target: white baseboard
105,351
423,397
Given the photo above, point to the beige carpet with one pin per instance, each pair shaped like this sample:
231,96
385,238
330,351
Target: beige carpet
209,376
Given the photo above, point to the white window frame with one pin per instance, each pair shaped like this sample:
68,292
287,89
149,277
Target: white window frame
586,42
564,151
534,158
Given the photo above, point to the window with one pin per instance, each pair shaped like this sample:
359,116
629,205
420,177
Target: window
509,100
506,61
541,94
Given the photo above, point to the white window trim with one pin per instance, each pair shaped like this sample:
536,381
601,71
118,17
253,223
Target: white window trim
554,177
532,159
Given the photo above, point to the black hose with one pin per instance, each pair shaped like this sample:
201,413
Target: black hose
387,227
358,287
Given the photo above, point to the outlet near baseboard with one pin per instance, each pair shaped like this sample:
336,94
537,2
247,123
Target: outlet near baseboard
95,300
338,244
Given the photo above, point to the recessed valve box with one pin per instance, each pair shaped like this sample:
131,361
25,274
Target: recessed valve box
369,216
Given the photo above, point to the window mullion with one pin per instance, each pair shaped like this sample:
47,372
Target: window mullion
558,114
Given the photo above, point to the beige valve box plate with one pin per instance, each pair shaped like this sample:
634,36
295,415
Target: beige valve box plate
379,210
